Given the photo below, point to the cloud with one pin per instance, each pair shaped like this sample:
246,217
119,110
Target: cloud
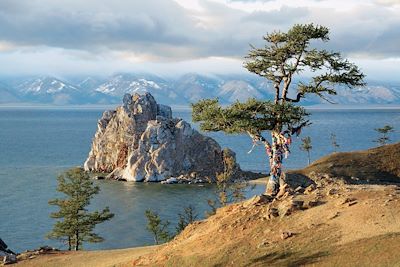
285,15
94,32
388,2
366,30
245,1
168,31
94,23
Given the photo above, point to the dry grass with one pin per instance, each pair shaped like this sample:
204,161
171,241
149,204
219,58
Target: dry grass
334,233
338,224
100,258
376,165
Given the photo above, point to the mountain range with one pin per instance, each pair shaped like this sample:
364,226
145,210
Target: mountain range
182,90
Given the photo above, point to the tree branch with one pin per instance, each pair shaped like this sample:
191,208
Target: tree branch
298,97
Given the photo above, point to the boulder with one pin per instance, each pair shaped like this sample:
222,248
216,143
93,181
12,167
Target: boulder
171,180
7,256
141,141
9,259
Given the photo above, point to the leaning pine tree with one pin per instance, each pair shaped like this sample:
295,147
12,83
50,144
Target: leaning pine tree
75,223
285,55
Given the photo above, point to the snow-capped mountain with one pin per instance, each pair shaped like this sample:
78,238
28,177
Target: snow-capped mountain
50,90
238,90
183,90
120,84
377,94
194,87
90,83
46,85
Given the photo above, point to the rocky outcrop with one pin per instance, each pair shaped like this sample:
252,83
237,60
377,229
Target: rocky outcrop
7,256
140,141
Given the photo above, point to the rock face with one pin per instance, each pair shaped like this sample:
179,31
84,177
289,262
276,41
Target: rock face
140,141
6,255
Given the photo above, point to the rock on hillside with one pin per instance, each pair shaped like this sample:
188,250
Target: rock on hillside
140,141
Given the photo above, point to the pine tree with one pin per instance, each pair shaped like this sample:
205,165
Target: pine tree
306,146
384,131
230,187
157,227
188,216
285,55
76,224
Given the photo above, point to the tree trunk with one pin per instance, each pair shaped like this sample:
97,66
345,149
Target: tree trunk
77,241
69,243
309,158
276,86
275,164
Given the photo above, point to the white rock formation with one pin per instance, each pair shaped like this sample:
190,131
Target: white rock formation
140,141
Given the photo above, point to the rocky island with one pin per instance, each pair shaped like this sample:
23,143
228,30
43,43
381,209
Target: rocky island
141,141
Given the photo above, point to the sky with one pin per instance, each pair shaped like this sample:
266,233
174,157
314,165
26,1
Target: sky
172,37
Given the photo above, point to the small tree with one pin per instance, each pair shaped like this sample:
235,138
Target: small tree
157,227
230,187
334,143
188,216
77,223
384,131
285,55
306,146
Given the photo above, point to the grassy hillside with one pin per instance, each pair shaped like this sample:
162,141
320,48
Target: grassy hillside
376,165
326,222
336,225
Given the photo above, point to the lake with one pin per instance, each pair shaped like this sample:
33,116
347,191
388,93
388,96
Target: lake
36,144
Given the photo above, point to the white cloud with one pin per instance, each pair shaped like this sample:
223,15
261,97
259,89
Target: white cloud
102,35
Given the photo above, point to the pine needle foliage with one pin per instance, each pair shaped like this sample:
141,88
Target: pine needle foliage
187,217
157,227
75,224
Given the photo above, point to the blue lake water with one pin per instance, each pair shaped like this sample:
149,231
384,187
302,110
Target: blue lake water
37,144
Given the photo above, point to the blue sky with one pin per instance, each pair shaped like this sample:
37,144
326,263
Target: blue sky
169,37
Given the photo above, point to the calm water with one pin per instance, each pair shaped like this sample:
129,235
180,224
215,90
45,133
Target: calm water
37,144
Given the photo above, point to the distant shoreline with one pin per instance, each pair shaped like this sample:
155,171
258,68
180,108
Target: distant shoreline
322,107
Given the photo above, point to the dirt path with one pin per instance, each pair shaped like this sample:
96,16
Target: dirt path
100,258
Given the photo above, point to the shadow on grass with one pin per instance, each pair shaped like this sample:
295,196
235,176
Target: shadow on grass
271,257
313,258
288,259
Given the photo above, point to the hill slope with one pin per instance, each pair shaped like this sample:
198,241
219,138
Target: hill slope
376,165
328,223
336,225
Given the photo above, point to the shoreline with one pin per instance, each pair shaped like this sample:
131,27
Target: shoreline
316,107
100,258
259,181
